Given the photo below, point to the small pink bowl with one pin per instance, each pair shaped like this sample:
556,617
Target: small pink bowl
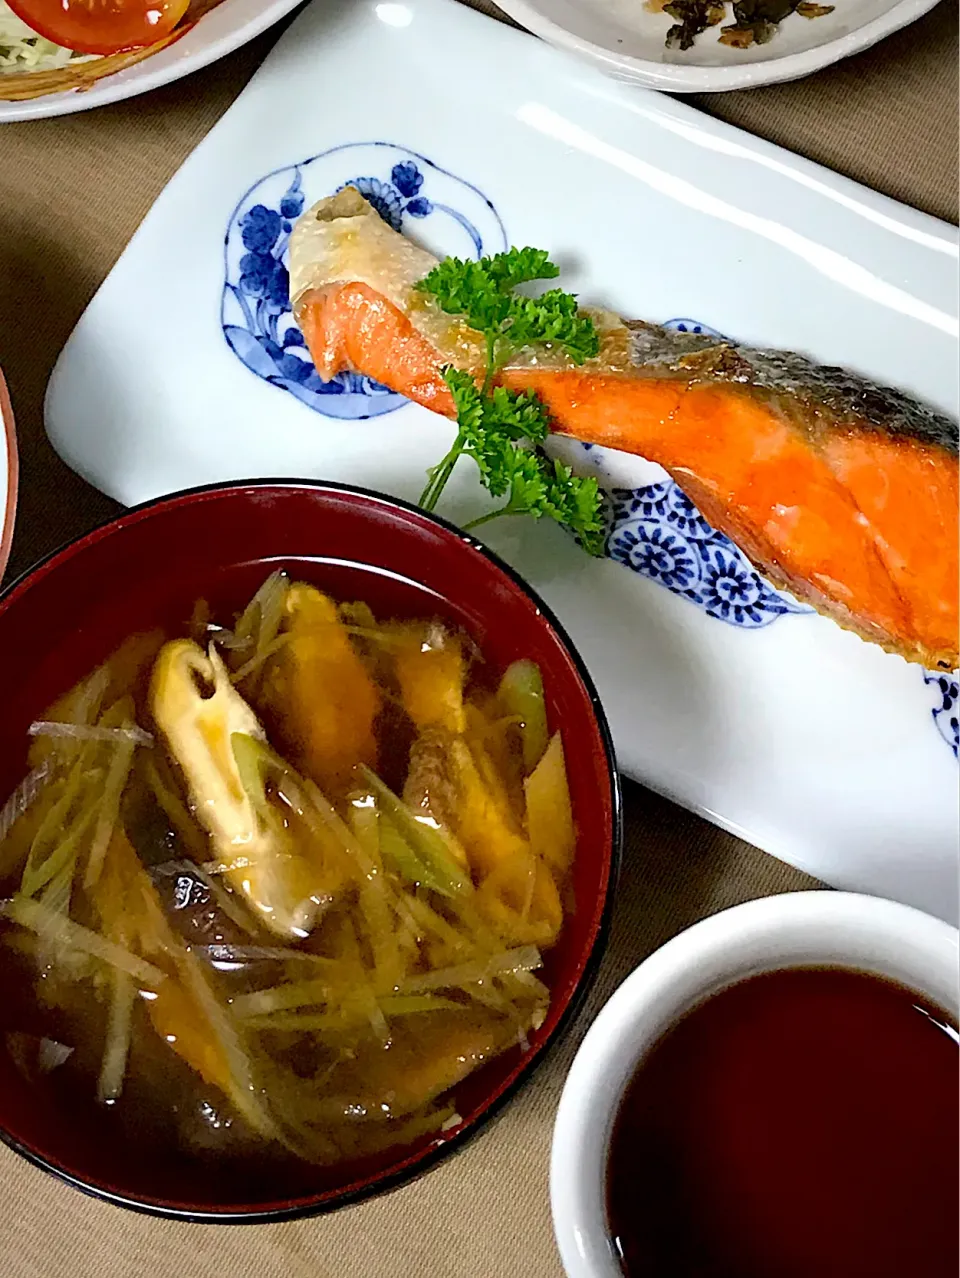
146,569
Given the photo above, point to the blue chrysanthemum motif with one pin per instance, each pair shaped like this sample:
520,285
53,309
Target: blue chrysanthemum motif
946,690
684,516
256,316
384,198
662,502
653,550
657,531
732,590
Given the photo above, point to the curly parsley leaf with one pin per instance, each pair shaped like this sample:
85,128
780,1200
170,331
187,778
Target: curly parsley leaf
503,429
520,266
551,318
482,293
574,501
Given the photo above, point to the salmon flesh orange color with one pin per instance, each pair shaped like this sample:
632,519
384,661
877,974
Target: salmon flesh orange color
843,492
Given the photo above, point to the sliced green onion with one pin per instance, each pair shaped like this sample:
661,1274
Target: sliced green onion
422,853
53,927
114,1067
521,696
526,958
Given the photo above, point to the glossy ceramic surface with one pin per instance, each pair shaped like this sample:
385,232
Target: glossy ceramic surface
723,693
797,929
626,39
232,24
147,569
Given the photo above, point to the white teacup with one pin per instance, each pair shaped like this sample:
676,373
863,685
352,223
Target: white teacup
800,929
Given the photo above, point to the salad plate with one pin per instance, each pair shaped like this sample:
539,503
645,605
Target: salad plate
222,28
723,693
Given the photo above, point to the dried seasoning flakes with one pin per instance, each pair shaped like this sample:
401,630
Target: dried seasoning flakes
755,21
693,16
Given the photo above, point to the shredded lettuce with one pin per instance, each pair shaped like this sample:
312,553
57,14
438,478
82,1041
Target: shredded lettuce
21,49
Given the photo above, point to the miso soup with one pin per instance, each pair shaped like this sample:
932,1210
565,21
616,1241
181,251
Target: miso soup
276,885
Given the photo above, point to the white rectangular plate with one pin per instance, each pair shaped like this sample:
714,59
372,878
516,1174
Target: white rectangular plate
784,729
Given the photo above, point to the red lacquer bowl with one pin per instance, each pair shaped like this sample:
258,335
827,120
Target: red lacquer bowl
147,568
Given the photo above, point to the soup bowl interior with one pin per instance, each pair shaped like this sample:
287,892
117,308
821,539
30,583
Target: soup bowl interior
147,569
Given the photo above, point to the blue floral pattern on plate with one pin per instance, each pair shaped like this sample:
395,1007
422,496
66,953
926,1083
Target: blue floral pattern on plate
658,532
256,317
946,714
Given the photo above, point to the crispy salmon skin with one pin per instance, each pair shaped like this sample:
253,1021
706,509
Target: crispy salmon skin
843,492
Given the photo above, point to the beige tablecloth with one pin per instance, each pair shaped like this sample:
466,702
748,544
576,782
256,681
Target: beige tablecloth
72,191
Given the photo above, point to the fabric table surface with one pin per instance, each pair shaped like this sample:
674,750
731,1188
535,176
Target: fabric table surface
72,191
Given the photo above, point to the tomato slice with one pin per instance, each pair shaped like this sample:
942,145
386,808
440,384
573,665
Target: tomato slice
101,26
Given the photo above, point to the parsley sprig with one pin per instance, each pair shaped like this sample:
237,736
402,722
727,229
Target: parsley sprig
502,430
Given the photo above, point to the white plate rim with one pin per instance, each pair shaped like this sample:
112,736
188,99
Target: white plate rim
676,78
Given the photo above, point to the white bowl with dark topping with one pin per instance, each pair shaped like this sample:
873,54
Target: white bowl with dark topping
744,47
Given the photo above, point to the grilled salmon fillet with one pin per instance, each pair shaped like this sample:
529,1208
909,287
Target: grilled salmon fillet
841,491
